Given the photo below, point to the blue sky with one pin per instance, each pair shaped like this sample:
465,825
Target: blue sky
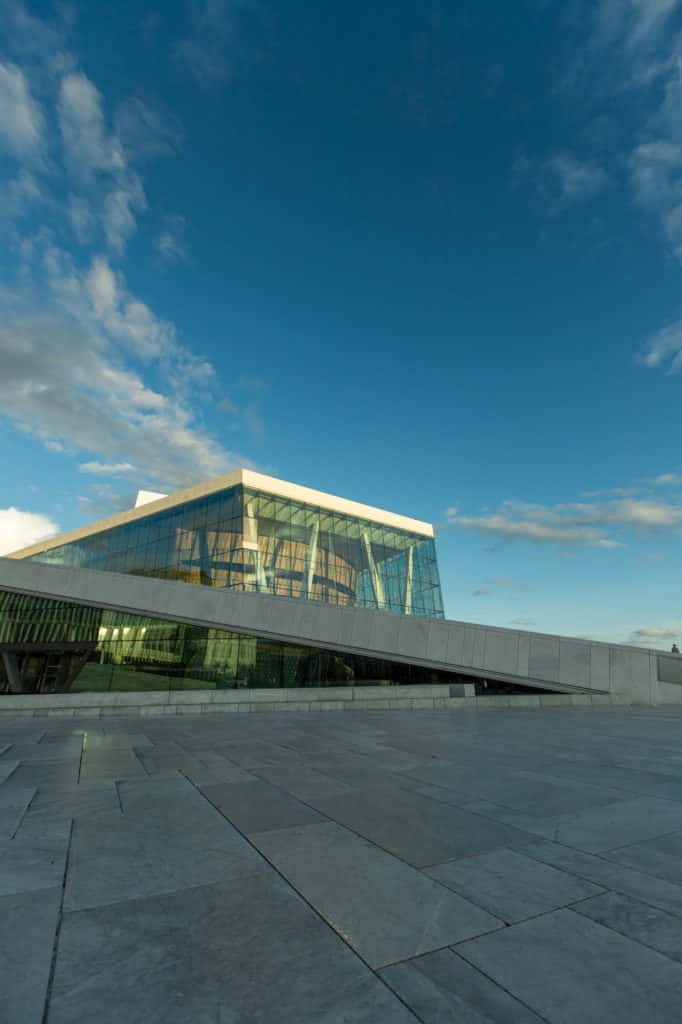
427,256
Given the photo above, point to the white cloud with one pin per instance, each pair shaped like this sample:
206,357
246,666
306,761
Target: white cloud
635,23
620,491
99,299
62,383
576,180
18,529
213,50
98,161
86,366
573,523
481,592
87,148
22,125
145,133
107,468
667,479
19,195
81,218
206,51
120,206
170,243
511,529
664,347
661,637
522,621
100,284
656,170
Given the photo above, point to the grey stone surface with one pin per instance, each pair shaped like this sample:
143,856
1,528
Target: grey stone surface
73,800
118,857
648,925
95,742
654,891
661,856
28,924
511,886
419,781
617,824
257,806
306,784
420,830
442,987
40,773
58,750
30,862
13,803
355,887
6,769
252,952
213,769
168,757
568,968
111,764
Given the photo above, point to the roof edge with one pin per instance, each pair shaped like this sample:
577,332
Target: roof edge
247,478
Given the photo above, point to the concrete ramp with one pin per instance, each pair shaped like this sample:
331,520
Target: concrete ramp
535,660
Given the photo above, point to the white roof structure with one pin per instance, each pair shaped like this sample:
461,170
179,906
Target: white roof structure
247,478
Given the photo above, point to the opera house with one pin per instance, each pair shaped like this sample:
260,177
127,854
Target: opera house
248,583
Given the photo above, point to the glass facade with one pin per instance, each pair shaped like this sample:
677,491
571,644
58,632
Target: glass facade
252,540
53,646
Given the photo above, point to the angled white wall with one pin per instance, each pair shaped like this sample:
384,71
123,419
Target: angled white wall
536,660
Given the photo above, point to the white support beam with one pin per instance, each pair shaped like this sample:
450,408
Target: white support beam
377,582
310,560
408,581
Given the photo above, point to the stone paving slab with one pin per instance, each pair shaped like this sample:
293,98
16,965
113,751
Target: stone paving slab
511,886
114,859
27,930
661,856
384,908
252,952
147,848
30,862
654,891
420,830
442,987
648,925
567,968
74,800
603,828
14,799
111,764
7,768
96,743
306,784
41,773
258,807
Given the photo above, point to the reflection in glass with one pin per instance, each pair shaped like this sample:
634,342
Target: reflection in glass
251,540
49,646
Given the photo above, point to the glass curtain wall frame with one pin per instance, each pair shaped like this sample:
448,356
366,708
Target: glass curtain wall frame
96,650
252,540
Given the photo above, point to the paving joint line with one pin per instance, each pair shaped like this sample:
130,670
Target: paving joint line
58,928
624,935
341,938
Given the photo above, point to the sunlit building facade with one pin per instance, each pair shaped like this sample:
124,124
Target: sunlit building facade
244,532
256,533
